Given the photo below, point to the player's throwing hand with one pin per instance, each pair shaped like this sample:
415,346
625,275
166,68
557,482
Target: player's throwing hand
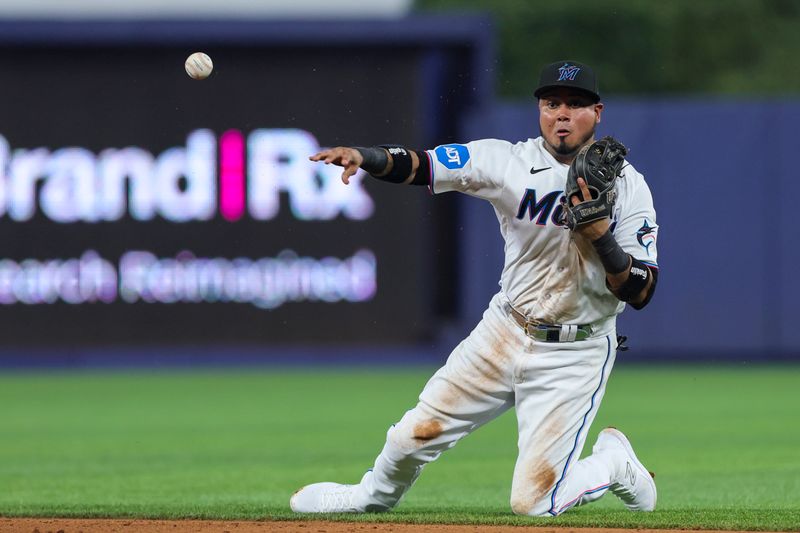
348,158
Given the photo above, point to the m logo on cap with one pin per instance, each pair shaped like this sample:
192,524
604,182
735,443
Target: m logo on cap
568,72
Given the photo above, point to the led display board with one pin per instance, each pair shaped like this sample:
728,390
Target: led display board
140,206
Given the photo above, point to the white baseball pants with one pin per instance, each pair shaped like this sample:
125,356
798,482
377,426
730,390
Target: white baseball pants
556,389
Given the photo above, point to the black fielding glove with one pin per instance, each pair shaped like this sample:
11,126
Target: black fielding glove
599,164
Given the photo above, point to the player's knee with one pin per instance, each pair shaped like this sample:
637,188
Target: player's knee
532,496
524,507
518,506
533,486
522,510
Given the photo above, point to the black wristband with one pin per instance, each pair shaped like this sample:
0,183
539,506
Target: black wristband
401,164
423,175
638,275
614,258
650,291
375,159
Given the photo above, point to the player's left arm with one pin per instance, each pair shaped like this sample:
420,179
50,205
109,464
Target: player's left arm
629,278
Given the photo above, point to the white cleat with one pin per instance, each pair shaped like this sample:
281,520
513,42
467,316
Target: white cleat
633,483
326,498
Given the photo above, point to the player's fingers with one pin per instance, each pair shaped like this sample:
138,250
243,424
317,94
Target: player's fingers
584,189
575,199
348,171
318,156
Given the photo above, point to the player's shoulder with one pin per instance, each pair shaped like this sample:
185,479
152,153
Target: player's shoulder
526,149
488,152
496,144
633,182
630,173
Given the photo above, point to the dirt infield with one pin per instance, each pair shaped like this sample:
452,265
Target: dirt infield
85,525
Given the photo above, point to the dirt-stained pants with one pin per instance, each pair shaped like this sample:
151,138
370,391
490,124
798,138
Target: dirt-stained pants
556,389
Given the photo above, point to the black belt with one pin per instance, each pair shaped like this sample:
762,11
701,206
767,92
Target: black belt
549,332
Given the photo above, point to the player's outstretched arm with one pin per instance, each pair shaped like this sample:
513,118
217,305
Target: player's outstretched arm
391,163
627,278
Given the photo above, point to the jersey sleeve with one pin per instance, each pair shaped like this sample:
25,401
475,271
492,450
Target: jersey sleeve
636,230
475,168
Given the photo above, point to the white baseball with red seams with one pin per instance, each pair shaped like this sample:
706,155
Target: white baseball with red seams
552,275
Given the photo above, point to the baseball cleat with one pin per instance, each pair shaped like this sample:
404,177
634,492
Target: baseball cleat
632,483
325,498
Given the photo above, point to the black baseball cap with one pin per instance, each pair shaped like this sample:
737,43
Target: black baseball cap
568,74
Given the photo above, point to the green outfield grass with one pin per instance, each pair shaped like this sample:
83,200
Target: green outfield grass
725,443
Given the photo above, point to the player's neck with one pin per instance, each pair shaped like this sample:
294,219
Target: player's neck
566,159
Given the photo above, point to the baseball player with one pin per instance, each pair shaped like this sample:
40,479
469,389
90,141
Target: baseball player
580,242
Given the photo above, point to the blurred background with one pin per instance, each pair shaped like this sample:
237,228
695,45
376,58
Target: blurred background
149,219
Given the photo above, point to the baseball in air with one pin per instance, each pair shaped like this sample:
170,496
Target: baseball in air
198,66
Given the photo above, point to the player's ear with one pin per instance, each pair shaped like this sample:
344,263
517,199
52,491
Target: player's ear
598,111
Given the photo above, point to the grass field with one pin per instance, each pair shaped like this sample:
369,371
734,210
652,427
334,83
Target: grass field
725,443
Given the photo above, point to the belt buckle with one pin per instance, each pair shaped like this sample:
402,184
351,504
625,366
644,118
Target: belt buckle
534,330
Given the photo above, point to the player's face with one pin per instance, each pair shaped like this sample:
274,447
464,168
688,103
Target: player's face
567,121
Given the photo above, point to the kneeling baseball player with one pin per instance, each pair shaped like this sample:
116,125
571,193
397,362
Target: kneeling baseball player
580,242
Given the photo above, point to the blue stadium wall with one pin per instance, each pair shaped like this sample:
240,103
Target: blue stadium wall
725,192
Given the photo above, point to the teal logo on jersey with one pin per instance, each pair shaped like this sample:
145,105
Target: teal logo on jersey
452,155
646,236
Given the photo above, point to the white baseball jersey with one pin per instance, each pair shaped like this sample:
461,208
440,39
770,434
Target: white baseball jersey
550,273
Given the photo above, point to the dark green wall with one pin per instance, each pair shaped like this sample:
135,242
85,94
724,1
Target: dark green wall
730,47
